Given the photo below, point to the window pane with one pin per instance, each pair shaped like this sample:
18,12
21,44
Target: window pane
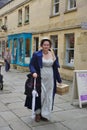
20,16
56,1
21,50
5,21
10,41
72,3
27,48
14,57
71,41
27,51
56,8
27,14
69,58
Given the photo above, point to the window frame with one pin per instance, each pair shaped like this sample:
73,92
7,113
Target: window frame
5,21
54,5
26,13
69,4
69,62
19,16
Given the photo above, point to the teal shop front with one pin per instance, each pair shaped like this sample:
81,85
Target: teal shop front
21,48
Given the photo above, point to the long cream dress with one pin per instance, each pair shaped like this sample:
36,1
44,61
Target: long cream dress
46,87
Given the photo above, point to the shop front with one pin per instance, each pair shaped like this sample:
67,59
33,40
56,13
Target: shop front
21,48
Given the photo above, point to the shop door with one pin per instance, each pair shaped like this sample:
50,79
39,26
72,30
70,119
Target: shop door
27,51
11,49
21,50
15,51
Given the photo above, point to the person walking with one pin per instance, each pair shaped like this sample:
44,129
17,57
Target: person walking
44,64
7,59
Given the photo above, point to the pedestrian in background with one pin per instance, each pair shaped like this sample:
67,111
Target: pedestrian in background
44,64
7,59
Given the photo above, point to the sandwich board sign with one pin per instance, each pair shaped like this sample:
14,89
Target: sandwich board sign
79,90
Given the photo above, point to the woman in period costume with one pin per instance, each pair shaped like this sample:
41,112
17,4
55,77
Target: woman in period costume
44,64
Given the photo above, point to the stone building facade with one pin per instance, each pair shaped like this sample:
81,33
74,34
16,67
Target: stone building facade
63,21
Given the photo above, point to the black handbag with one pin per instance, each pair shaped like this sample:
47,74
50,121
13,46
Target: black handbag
29,85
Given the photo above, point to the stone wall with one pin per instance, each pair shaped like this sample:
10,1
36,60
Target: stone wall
81,52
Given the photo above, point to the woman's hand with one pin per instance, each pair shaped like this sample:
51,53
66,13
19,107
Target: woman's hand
34,75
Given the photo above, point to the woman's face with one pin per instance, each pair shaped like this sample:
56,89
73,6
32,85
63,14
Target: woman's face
46,46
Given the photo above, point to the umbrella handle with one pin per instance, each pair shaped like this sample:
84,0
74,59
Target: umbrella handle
34,83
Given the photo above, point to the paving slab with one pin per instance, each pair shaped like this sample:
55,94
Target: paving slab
69,115
10,100
19,125
3,122
3,107
15,105
80,124
55,126
65,106
5,128
22,112
8,115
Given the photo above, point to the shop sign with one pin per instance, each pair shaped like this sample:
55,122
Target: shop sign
80,86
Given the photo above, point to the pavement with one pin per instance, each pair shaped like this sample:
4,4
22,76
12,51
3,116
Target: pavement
14,116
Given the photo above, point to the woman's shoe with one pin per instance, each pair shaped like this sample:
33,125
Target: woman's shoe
37,118
43,118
